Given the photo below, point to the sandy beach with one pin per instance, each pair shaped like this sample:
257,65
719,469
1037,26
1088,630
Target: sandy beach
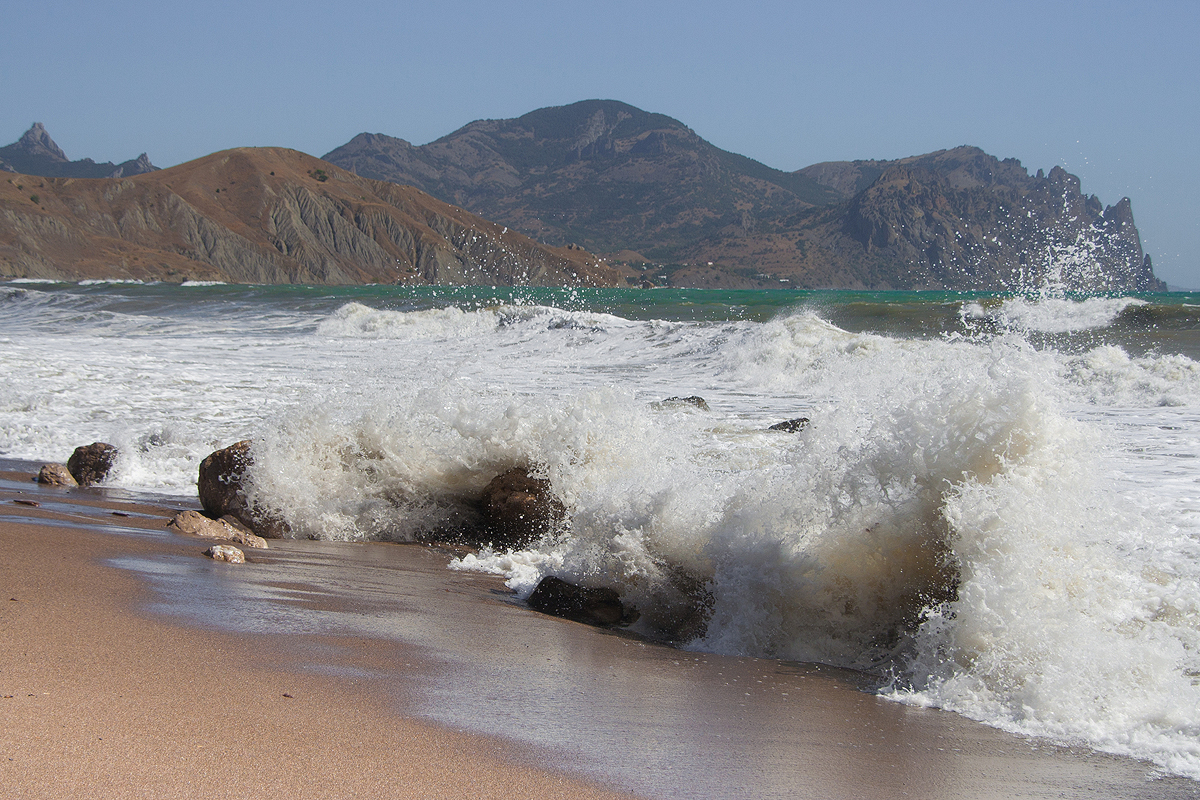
133,666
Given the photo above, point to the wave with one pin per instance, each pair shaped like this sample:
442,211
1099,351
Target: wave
978,520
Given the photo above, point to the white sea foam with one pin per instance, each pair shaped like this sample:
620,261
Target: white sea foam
1051,314
1008,531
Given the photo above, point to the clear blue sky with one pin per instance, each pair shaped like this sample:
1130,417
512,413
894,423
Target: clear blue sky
1110,91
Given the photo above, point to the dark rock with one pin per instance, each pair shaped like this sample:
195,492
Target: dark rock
90,464
591,606
698,402
791,425
220,481
518,508
219,485
56,475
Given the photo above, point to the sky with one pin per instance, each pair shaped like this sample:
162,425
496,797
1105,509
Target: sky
1109,91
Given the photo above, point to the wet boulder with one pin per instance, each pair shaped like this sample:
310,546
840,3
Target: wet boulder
219,485
560,598
518,508
56,475
791,425
91,463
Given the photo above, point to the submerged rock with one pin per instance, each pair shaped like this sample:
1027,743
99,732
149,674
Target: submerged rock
518,508
226,552
227,528
91,463
791,425
559,598
56,475
693,400
219,485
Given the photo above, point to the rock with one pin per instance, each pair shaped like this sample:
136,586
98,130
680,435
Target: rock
220,481
91,463
591,606
791,425
56,475
698,402
518,508
219,485
226,552
226,528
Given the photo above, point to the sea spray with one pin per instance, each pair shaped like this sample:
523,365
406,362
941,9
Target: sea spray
993,509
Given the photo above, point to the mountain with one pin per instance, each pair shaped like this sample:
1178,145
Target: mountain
265,215
643,186
35,153
599,173
955,219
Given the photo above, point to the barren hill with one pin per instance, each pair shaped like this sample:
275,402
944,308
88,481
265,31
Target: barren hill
265,215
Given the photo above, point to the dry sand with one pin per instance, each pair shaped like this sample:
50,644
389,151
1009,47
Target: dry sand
133,666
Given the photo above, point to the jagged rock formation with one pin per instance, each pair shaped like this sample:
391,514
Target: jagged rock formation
35,153
265,215
613,178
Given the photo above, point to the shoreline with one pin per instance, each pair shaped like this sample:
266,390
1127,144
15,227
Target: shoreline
137,666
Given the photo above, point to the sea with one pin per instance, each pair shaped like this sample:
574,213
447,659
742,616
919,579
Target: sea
993,507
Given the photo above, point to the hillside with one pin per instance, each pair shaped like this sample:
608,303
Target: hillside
645,188
265,215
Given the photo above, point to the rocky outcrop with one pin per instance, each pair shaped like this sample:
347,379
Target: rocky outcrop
56,475
35,153
791,425
91,463
266,215
518,508
559,598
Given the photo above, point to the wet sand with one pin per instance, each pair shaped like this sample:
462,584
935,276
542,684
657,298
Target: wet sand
133,666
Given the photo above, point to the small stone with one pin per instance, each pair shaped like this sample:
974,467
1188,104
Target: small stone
791,425
90,464
226,552
56,475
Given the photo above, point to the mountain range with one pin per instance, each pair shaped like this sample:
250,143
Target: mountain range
661,205
646,190
35,153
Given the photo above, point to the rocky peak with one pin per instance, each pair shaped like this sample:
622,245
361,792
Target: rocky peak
35,153
37,142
